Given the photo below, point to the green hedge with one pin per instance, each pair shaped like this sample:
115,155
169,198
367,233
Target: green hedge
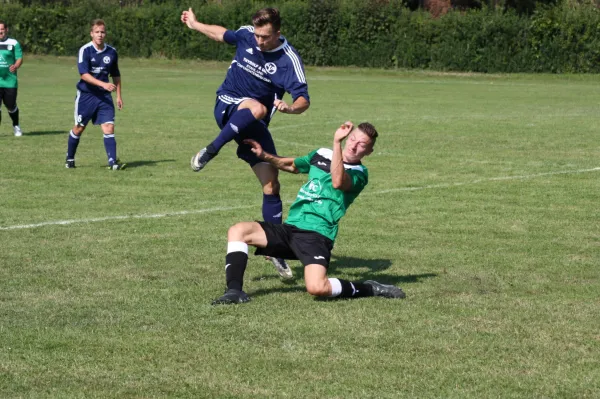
366,33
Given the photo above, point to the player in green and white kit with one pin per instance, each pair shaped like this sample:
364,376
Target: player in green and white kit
336,178
11,58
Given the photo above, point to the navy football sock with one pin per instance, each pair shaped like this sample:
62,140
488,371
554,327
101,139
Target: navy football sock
110,145
272,208
72,145
237,123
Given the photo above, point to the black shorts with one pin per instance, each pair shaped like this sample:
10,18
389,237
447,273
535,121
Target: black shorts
9,97
289,242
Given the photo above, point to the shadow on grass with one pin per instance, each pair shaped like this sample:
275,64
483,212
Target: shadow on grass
341,262
137,164
46,132
288,288
347,262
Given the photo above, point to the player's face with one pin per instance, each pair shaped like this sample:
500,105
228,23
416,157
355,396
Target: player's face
3,32
358,145
98,33
266,38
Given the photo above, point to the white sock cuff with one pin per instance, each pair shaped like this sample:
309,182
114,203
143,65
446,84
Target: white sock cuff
14,110
109,136
237,246
76,137
336,287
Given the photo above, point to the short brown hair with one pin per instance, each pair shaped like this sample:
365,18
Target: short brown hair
4,23
369,130
266,16
97,22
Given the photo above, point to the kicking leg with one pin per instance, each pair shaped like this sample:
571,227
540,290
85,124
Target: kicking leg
248,112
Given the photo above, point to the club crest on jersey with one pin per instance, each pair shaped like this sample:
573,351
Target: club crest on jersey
9,47
270,68
314,186
106,59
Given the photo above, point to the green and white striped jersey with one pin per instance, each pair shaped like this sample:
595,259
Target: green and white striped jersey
10,52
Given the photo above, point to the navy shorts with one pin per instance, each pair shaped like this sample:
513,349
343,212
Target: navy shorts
289,242
97,108
258,131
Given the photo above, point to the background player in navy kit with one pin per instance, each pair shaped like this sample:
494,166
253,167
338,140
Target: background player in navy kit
265,66
335,178
94,102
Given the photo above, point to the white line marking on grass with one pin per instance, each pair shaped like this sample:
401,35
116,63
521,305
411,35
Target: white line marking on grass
232,208
123,217
277,128
491,179
295,144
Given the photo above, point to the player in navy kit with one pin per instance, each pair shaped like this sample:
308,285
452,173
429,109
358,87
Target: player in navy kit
264,68
96,62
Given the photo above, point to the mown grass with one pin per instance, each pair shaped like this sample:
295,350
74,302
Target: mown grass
482,205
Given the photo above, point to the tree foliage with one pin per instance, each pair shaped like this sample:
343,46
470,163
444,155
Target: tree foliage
370,33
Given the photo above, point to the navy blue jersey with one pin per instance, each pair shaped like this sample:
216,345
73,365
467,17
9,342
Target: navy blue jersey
263,76
98,63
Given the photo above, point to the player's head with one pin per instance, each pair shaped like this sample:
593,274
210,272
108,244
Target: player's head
98,32
360,143
3,30
267,23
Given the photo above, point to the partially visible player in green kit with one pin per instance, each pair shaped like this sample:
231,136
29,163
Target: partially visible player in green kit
11,59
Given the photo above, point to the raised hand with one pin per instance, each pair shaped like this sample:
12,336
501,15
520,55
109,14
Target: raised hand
343,131
189,18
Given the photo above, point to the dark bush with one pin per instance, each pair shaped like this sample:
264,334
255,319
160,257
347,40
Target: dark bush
366,33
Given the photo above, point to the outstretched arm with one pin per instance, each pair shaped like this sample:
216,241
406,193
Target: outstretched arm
285,164
214,32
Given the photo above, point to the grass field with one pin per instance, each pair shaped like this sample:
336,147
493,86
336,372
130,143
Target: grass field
483,205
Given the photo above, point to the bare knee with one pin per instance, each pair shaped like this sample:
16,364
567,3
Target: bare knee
272,187
318,287
258,110
237,232
77,130
108,128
